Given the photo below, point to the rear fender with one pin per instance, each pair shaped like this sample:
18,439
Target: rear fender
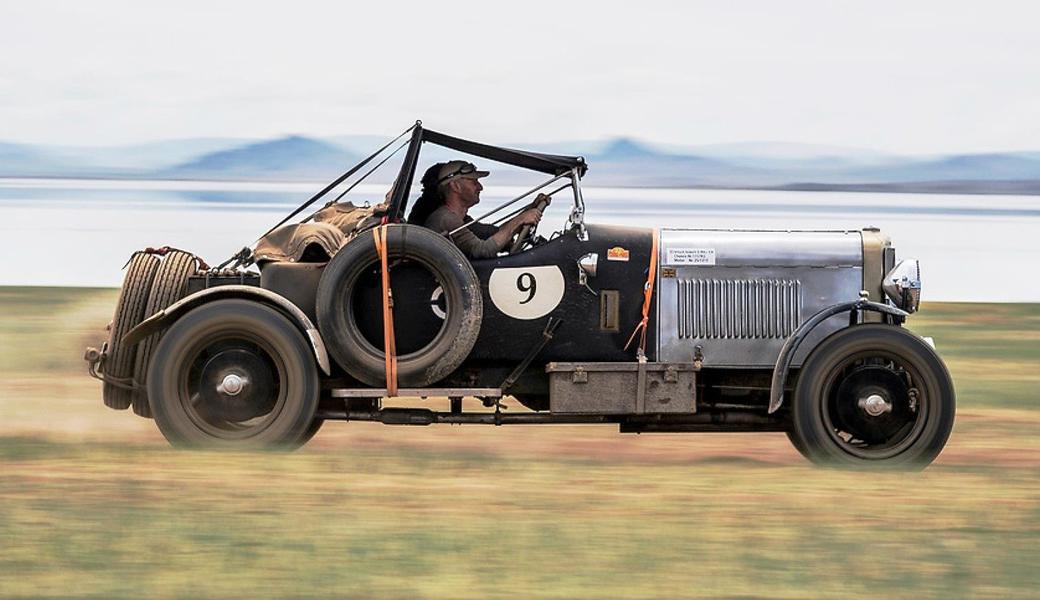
163,319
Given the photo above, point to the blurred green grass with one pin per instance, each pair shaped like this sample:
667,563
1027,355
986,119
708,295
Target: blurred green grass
372,511
992,350
111,521
45,329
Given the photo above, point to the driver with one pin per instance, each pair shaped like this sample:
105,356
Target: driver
449,190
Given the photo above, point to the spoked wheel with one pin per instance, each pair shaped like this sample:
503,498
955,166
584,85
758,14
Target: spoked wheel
234,373
873,395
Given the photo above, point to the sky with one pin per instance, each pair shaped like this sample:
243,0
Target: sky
918,77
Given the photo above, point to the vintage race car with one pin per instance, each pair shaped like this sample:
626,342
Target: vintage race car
656,330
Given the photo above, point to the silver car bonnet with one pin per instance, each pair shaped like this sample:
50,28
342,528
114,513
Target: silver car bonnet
738,294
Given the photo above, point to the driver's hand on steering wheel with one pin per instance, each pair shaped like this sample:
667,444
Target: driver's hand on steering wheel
540,198
534,212
530,216
523,226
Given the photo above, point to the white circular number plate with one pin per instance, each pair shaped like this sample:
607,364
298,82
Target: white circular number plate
526,292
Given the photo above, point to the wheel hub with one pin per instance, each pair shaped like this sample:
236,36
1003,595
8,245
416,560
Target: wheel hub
872,405
232,385
236,384
875,405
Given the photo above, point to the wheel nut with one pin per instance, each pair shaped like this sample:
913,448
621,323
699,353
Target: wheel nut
875,405
231,385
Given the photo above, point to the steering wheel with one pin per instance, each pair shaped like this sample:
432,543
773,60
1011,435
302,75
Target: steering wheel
527,233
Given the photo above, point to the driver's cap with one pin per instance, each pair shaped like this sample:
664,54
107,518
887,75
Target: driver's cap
459,168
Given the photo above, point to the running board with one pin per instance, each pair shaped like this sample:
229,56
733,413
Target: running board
627,423
418,393
423,416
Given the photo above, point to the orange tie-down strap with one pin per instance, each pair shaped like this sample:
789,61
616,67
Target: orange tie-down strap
648,294
389,345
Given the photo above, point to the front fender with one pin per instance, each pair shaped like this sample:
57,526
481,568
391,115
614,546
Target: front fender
164,318
783,361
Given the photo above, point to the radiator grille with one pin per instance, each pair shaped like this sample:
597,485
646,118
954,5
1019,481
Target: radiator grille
738,308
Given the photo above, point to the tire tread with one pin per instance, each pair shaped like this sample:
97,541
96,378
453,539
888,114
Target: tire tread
130,308
169,285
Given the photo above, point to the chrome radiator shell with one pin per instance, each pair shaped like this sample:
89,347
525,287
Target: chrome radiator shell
739,294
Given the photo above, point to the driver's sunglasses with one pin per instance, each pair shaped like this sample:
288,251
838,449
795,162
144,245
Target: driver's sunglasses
465,169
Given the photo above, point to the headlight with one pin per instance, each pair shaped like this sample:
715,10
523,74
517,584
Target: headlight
903,285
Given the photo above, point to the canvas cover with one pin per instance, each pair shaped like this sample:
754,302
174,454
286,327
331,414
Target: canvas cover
320,239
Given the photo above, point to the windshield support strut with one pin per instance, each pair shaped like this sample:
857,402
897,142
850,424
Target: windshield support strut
577,217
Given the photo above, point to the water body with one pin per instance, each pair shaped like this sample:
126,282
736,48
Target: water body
81,232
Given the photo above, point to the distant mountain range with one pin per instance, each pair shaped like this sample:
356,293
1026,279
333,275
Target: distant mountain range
615,162
293,157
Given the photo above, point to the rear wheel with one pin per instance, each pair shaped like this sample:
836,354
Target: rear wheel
873,395
234,373
118,364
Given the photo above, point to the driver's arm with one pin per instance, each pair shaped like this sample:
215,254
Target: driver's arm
474,247
444,220
508,229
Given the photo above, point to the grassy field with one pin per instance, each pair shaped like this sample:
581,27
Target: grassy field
94,504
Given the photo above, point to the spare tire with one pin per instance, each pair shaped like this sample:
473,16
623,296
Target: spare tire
169,285
348,321
130,308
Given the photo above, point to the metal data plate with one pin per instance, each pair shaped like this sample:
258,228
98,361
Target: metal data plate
740,248
739,294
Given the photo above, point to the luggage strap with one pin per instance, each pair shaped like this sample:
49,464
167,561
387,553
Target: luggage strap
380,234
648,294
163,251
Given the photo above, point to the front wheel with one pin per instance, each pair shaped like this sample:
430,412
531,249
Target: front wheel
234,373
873,395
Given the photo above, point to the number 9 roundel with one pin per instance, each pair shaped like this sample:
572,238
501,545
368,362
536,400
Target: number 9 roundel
526,292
